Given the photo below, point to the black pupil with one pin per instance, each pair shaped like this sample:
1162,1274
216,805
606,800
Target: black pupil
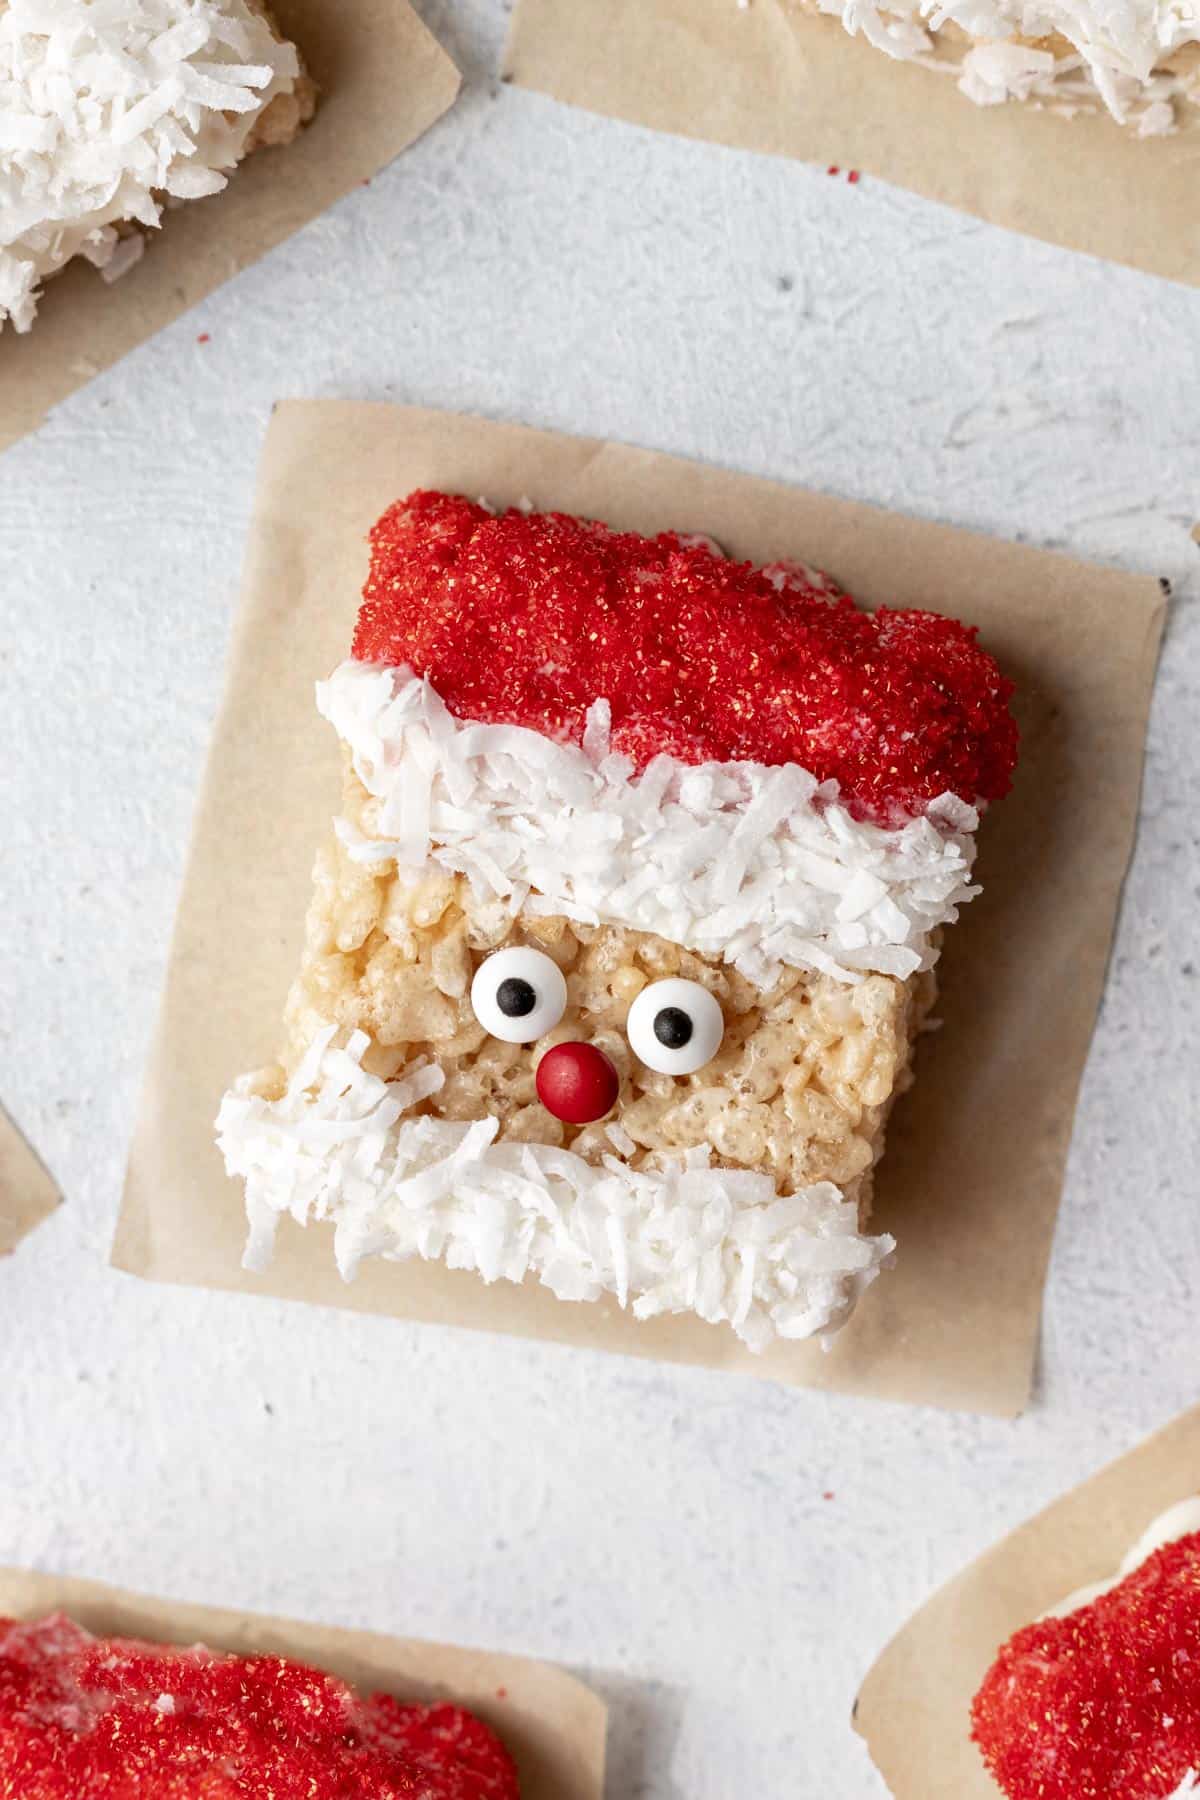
673,1028
515,997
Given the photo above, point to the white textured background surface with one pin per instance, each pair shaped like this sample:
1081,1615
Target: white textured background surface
666,1532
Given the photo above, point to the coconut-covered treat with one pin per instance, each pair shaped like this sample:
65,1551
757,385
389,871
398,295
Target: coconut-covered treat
112,110
86,1718
1138,60
628,923
1100,1700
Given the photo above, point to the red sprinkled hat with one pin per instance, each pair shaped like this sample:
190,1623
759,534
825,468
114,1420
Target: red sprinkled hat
84,1718
529,618
1104,1703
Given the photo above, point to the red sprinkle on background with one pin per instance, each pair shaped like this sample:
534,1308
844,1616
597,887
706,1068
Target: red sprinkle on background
528,619
1104,1704
82,1718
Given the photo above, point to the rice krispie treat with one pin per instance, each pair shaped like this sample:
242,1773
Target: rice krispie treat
618,953
1139,60
111,110
1100,1700
86,1718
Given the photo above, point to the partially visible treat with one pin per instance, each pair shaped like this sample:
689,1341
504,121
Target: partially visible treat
1138,60
86,1718
111,112
1100,1699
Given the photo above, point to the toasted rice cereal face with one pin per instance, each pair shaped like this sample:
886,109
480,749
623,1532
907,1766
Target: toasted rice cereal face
799,1089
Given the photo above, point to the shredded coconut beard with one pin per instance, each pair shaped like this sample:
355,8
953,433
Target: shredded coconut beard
1069,55
110,107
758,866
343,1145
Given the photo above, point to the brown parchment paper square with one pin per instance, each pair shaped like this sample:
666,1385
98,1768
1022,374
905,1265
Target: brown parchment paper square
384,80
769,77
553,1726
971,1179
27,1192
913,1709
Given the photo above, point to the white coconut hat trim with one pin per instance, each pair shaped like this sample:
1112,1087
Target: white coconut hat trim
681,1237
109,107
760,867
1119,48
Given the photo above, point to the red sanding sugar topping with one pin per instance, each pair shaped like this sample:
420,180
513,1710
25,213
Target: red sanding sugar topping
528,619
84,1718
1104,1704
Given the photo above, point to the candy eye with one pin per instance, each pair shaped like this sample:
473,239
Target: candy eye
675,1027
518,995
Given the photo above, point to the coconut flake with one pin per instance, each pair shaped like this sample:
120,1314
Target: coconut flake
108,107
125,254
1119,48
762,867
676,1236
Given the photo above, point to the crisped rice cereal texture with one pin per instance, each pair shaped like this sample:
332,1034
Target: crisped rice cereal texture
800,1089
282,121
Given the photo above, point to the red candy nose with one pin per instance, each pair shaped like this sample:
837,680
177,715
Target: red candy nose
577,1083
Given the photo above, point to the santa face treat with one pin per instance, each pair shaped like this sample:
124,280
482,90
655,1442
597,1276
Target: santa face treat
618,954
1100,1700
85,1718
1138,60
110,112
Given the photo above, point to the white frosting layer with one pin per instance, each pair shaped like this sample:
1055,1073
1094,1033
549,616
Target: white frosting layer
758,866
1120,46
109,106
1178,1521
681,1237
